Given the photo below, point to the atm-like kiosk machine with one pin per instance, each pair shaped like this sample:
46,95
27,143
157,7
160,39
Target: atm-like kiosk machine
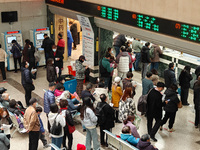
7,38
37,36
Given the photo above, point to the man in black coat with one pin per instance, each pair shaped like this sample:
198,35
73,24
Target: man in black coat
108,123
154,109
119,41
169,75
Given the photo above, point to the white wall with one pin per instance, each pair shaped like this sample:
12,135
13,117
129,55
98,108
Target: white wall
31,14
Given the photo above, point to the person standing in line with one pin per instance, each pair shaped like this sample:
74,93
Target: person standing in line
3,56
119,41
32,124
80,74
197,101
73,29
31,52
51,71
5,144
116,96
129,50
147,83
16,51
184,81
25,51
154,111
42,131
197,71
137,46
169,75
78,30
108,121
171,107
47,45
49,99
145,59
59,53
89,120
155,61
27,82
155,77
69,42
54,116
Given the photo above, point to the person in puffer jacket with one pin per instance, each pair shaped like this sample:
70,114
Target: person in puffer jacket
123,59
127,136
145,144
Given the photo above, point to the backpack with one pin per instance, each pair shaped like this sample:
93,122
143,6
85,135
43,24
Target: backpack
142,102
151,52
37,55
100,114
56,128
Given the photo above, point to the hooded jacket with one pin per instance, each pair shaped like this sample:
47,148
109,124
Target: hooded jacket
123,59
26,77
116,95
145,58
144,145
130,139
90,119
80,70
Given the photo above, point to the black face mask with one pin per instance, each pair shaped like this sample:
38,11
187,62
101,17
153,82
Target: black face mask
81,60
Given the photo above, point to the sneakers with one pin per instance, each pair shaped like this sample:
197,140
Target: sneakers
161,128
171,130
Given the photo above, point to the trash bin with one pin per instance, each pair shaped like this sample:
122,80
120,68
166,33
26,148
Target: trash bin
70,83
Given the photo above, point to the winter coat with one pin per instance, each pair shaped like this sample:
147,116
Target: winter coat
25,53
123,59
49,99
146,86
154,79
26,78
154,104
97,93
145,57
57,92
31,52
61,46
132,61
73,29
196,95
87,93
157,52
116,95
90,119
47,45
59,63
59,118
51,73
2,55
41,125
130,139
119,40
144,145
169,76
126,108
133,129
109,115
105,69
184,79
128,83
15,111
31,120
197,71
69,38
80,70
137,46
4,142
171,95
16,50
5,103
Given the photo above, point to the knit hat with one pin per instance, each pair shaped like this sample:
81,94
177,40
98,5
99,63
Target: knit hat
117,79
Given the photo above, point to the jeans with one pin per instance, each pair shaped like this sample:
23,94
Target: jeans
33,140
184,95
42,138
171,116
102,134
69,46
57,142
154,65
92,136
70,138
15,63
137,61
106,80
75,101
116,50
144,69
152,130
2,67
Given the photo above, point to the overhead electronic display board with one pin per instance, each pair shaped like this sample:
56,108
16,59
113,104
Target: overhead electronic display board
176,29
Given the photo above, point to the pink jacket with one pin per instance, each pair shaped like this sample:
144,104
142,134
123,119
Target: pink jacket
57,92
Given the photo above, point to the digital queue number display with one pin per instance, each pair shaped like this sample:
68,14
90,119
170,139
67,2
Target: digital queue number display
163,26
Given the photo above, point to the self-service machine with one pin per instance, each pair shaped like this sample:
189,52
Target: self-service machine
37,36
7,38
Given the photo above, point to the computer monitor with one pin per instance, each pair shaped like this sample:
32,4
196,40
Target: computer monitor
10,38
40,36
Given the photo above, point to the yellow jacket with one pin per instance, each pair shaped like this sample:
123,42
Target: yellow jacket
116,95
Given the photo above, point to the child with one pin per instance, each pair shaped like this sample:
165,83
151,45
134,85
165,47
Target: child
126,136
42,131
145,144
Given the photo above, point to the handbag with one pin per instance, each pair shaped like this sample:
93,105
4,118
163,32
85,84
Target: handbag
71,128
56,128
137,121
180,105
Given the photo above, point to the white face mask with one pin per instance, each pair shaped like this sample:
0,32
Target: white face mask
9,97
37,105
54,50
28,64
4,116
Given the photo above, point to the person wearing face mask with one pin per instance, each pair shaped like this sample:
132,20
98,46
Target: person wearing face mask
32,124
26,80
169,75
51,71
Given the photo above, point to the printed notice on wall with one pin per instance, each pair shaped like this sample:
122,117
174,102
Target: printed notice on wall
88,40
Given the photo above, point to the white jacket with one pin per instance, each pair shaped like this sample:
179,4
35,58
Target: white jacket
60,118
123,64
90,119
97,93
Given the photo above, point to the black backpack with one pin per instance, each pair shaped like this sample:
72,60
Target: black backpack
56,128
100,114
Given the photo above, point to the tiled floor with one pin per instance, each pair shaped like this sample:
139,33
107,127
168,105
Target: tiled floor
185,137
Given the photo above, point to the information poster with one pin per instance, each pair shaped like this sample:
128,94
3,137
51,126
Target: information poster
88,40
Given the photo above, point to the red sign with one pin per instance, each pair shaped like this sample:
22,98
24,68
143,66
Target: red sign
42,29
58,1
12,32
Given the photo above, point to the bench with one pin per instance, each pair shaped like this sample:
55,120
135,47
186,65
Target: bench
117,143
